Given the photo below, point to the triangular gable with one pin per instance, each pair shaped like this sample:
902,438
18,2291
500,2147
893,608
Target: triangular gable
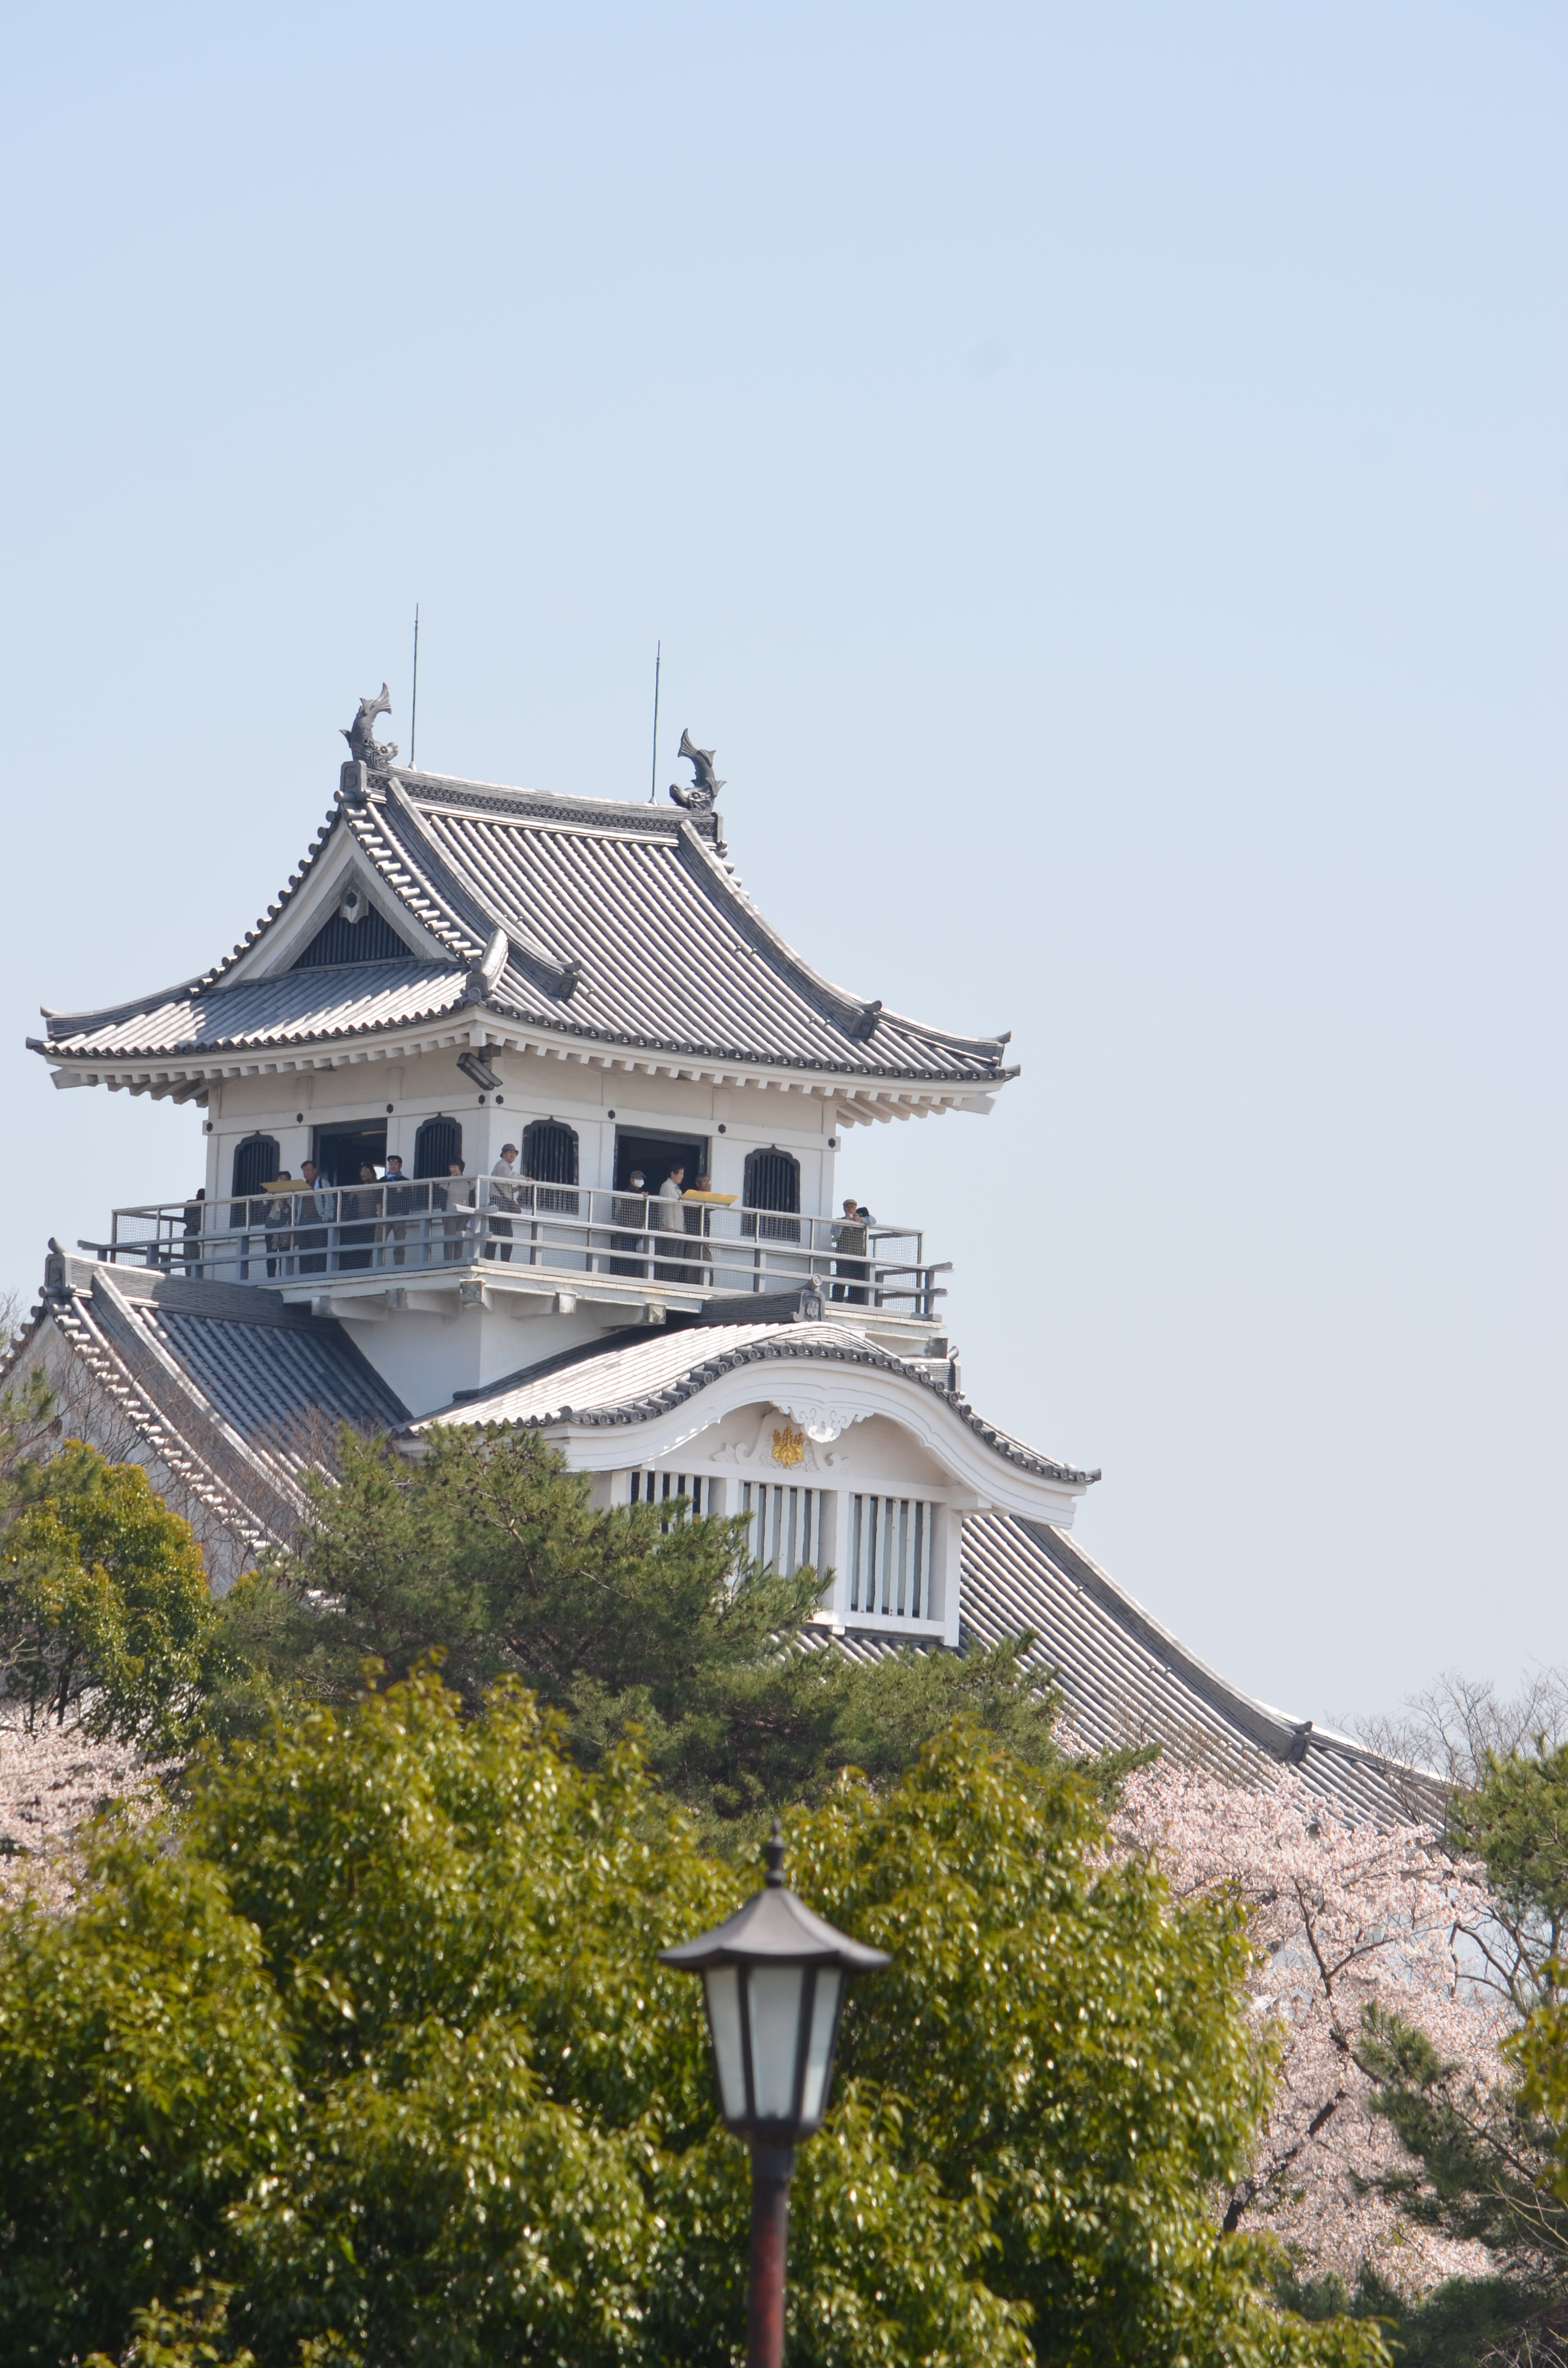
340,908
366,939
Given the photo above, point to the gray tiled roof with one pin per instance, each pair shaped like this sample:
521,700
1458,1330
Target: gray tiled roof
279,1384
646,1373
1125,1678
295,1007
240,1392
625,926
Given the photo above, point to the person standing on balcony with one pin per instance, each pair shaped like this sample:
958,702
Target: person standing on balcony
455,1197
864,1218
850,1265
315,1209
670,1221
503,1195
279,1241
364,1202
402,1198
195,1211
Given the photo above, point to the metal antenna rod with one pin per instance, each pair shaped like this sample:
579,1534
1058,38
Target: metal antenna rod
414,710
653,768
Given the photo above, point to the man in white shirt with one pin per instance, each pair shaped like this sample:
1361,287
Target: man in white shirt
503,1195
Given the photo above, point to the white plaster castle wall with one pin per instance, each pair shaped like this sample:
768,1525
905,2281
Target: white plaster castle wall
591,1100
425,1357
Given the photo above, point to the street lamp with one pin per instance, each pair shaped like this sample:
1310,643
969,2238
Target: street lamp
773,1975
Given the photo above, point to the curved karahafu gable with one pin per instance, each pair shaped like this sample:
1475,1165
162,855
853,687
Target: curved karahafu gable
528,919
679,1383
838,1453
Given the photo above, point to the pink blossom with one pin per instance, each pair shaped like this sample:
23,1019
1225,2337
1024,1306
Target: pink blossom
1344,1917
51,1784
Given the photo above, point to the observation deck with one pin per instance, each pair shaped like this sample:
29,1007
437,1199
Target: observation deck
370,1251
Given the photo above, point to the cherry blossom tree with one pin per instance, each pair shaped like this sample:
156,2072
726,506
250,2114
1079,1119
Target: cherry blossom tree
53,1782
1351,1924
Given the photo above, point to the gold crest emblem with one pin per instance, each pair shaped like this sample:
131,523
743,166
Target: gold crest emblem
788,1446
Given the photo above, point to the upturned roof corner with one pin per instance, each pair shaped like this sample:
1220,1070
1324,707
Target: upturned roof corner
620,930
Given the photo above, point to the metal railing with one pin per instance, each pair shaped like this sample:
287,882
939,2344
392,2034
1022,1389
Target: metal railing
292,1234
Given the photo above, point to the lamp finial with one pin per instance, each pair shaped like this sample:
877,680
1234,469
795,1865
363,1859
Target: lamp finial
773,1852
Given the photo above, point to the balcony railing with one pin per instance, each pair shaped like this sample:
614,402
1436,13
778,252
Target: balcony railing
295,1237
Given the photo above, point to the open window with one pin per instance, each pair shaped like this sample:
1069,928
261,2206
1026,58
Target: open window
652,1153
343,1148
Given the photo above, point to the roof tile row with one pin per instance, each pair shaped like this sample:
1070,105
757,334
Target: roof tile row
624,927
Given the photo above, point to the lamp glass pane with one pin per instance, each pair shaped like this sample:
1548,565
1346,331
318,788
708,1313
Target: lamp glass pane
775,2035
722,1984
830,1981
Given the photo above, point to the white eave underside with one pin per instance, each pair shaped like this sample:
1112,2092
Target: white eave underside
857,1101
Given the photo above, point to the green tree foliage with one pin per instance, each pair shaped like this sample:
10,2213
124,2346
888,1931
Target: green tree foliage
1515,1822
1458,2324
192,2333
145,2074
1519,1821
105,1611
489,1551
374,2031
1491,2163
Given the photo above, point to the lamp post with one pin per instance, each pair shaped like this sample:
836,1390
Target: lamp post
773,1976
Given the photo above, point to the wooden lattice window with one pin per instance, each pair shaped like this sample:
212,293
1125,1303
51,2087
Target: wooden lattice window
369,938
773,1181
889,1557
438,1142
549,1156
785,1534
255,1164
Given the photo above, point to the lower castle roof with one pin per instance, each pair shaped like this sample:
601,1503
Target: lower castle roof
238,1395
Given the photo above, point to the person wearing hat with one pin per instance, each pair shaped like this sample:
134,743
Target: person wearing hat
503,1195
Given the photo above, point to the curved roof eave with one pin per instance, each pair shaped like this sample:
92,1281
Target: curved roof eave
788,1343
222,1051
391,832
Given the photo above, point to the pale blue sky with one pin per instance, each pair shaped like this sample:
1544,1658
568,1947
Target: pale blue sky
1100,476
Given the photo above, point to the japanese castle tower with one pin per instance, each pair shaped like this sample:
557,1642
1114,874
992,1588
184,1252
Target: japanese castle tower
517,1111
